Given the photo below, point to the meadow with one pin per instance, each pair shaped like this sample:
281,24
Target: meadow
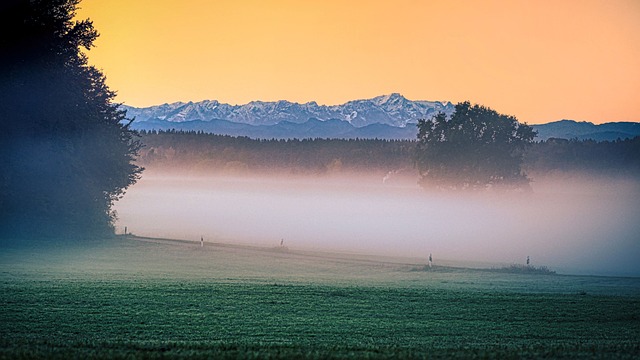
135,297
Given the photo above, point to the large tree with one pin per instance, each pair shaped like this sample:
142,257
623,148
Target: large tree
66,150
476,148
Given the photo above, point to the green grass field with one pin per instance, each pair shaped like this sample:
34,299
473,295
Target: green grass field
128,298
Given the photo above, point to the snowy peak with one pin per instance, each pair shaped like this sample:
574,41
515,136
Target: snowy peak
393,98
392,109
389,116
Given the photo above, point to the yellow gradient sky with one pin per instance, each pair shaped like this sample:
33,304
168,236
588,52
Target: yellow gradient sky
538,60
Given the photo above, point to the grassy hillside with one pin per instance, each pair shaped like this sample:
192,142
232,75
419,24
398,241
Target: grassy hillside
155,299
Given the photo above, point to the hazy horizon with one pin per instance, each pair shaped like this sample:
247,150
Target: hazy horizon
573,227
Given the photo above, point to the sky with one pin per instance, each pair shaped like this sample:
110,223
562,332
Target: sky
540,61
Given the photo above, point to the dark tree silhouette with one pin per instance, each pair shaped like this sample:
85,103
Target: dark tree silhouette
587,157
476,148
66,150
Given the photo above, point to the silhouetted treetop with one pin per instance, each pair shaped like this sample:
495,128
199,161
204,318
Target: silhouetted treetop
66,150
475,149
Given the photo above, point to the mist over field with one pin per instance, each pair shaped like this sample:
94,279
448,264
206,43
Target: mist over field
572,226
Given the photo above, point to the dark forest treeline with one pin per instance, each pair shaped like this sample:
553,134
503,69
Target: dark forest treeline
204,152
620,157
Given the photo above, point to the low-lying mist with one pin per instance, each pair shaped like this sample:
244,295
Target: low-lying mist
584,226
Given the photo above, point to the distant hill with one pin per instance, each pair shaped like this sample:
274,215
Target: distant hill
569,129
383,117
312,128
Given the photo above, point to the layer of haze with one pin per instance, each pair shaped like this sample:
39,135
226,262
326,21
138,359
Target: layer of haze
578,227
540,61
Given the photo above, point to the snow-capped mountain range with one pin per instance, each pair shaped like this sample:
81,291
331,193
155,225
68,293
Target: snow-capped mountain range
394,110
384,117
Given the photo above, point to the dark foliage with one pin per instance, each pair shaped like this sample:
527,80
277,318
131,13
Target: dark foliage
524,269
555,156
197,152
202,152
474,149
66,153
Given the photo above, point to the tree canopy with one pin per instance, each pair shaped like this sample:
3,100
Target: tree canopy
203,153
66,150
476,148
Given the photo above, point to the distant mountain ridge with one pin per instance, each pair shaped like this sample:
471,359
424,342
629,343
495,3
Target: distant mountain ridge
384,117
393,109
311,129
570,129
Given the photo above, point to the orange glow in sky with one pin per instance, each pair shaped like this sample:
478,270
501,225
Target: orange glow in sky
538,60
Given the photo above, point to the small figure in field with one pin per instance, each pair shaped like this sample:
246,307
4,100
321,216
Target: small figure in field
201,241
125,230
281,242
527,261
430,260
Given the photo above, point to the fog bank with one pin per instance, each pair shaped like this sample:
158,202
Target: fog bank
585,227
